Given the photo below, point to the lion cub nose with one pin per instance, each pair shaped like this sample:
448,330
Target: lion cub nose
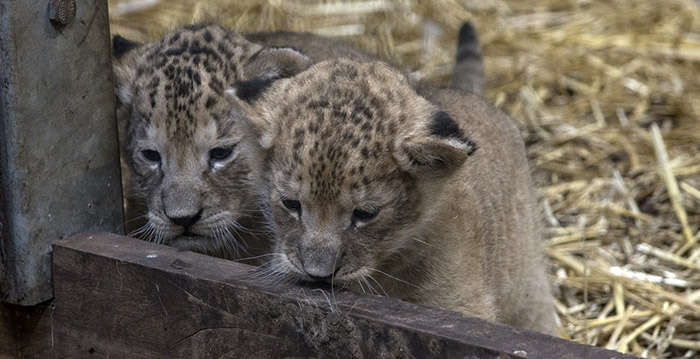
319,263
319,279
186,221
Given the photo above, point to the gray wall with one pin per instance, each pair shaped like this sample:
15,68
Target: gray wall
59,162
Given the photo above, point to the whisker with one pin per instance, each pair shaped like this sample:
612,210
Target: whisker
423,242
392,277
160,237
230,240
147,235
272,272
140,230
257,257
235,240
361,286
218,241
135,219
242,228
379,285
254,211
152,234
328,299
371,289
335,263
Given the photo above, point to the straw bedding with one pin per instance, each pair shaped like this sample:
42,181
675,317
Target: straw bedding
607,96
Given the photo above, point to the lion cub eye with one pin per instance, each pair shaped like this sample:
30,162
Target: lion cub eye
220,153
151,155
292,205
360,215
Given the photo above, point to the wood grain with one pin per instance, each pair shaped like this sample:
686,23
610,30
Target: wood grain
121,297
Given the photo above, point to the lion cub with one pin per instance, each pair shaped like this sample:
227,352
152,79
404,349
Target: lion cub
191,166
421,194
192,170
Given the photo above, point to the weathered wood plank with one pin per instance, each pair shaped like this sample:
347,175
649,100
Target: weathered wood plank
8,336
25,332
120,297
59,156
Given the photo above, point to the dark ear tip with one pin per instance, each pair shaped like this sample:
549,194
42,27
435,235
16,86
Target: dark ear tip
121,46
472,147
444,126
286,62
251,90
467,34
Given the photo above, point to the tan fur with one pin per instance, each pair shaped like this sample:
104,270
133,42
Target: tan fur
315,47
456,226
172,101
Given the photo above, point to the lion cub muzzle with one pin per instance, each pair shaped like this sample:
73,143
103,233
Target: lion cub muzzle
319,262
182,204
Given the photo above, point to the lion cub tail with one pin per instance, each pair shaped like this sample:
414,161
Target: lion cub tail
469,64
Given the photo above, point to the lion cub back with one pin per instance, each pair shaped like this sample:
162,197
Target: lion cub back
498,182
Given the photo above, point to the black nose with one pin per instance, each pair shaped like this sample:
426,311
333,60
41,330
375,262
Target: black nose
187,221
323,276
320,279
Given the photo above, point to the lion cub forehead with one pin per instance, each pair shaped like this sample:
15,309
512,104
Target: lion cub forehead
342,123
179,82
340,72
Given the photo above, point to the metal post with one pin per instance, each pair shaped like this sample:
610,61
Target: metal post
59,156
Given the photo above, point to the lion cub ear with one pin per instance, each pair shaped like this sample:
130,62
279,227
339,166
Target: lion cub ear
262,71
124,67
438,151
267,66
258,115
121,46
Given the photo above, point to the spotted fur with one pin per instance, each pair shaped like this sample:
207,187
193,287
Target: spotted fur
191,166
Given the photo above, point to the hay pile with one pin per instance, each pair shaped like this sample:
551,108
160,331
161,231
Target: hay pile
607,95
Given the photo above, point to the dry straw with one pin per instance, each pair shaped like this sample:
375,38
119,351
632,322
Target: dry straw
607,95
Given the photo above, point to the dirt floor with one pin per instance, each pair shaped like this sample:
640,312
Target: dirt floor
607,95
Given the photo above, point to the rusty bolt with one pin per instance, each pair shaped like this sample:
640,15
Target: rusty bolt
62,12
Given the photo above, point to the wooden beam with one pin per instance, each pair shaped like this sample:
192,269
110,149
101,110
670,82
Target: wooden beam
59,155
25,331
121,297
8,335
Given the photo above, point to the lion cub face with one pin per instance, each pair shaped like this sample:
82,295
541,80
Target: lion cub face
190,163
193,170
334,215
349,146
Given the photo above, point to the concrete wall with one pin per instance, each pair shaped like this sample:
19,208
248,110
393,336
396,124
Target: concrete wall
59,162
